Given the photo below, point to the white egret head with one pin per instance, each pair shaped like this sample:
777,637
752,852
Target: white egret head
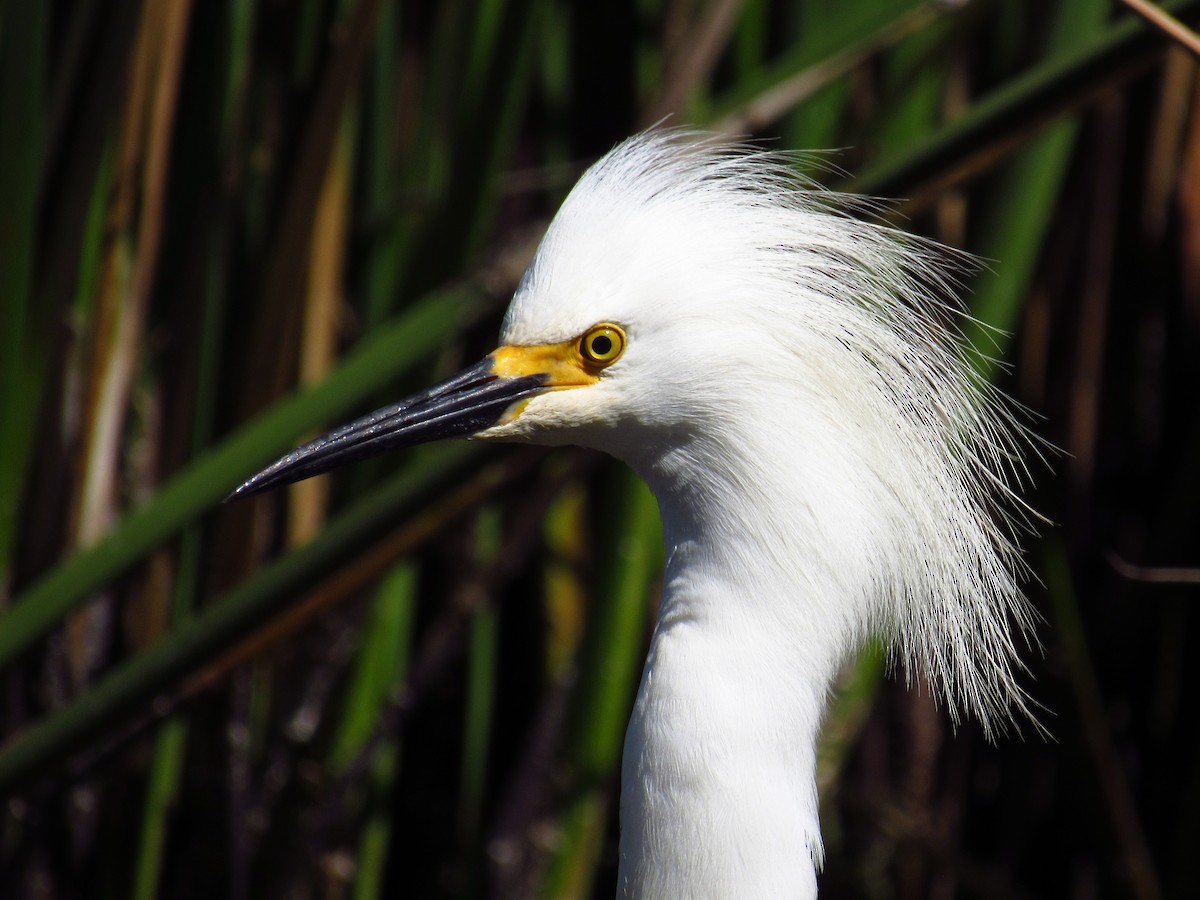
790,382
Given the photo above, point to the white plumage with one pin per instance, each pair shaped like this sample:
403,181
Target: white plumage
826,464
790,383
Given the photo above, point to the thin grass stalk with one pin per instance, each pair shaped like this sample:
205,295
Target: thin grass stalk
422,172
310,33
170,744
1013,229
275,329
377,175
136,228
913,85
162,789
378,360
553,80
227,621
375,838
138,214
627,563
488,128
828,45
381,670
650,57
700,50
750,40
24,36
479,708
564,591
307,500
166,768
1115,791
1001,121
381,666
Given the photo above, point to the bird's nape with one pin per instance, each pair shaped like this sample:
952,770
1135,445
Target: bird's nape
827,463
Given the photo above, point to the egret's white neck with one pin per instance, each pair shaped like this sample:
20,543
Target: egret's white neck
718,782
827,465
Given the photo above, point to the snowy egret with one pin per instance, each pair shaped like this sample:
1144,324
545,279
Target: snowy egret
790,383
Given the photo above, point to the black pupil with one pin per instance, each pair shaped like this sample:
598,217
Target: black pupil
602,345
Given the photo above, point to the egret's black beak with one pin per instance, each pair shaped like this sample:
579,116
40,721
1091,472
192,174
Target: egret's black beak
469,402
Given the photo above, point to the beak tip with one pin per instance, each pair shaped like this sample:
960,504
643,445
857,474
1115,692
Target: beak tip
237,492
254,484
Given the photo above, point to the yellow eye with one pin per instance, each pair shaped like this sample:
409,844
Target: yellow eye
602,345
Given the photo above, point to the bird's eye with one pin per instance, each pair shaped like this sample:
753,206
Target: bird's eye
602,345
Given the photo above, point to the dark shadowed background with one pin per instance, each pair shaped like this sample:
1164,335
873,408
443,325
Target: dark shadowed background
225,225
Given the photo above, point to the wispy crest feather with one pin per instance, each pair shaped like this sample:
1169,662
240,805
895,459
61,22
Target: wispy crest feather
939,447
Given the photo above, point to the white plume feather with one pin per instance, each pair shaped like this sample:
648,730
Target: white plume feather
859,319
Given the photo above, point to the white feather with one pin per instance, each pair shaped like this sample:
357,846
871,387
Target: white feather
828,466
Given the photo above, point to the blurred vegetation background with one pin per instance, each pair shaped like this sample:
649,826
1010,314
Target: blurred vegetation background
226,225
